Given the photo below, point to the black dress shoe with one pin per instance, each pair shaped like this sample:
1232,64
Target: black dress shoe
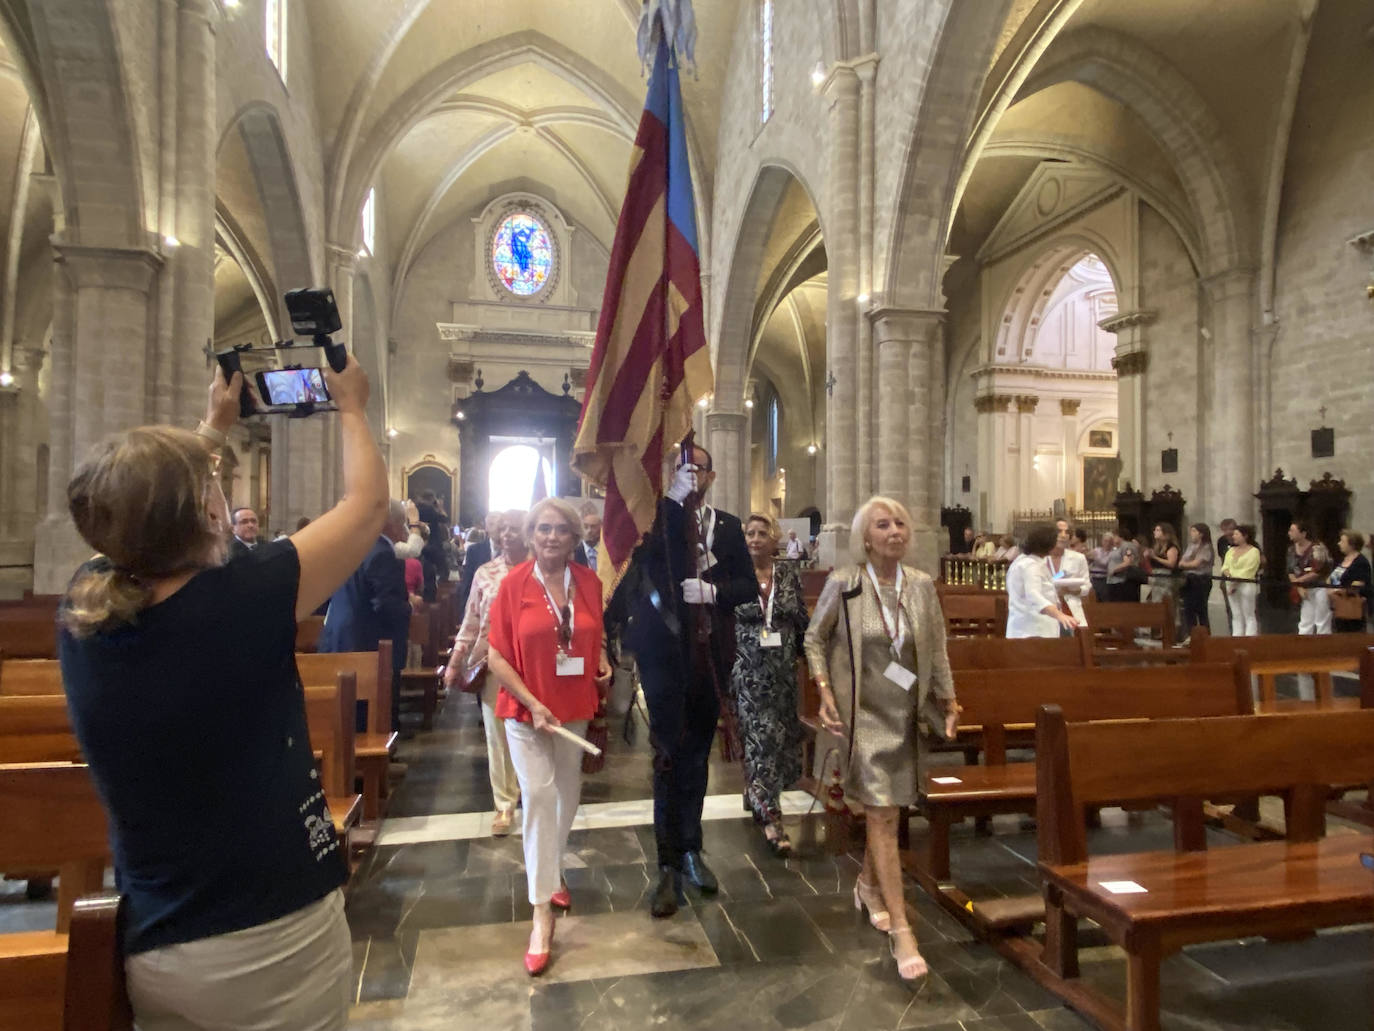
699,873
665,895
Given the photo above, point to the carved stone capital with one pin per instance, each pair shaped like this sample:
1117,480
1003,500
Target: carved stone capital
1128,320
113,268
1133,363
1069,405
910,324
992,403
1026,403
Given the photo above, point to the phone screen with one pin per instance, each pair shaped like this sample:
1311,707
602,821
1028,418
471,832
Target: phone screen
293,386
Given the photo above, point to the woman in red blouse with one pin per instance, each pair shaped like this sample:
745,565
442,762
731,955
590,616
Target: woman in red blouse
547,649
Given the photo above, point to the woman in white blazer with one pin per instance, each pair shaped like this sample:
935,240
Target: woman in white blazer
1032,600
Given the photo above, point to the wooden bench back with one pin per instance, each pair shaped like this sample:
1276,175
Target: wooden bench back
994,699
371,669
1114,623
36,729
97,998
54,821
1186,761
1012,652
329,714
308,632
30,677
975,615
1277,647
28,634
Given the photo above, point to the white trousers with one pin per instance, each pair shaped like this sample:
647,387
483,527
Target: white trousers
1244,622
505,789
290,974
550,772
1314,615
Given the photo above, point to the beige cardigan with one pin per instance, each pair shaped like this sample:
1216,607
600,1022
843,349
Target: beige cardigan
833,655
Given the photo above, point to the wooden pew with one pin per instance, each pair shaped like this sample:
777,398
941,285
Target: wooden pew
995,700
96,996
1275,888
974,653
36,729
975,615
308,632
330,712
53,819
28,633
422,682
374,748
1274,654
1114,623
29,677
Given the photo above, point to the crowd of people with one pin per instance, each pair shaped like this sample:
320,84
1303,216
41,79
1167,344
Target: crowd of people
1056,566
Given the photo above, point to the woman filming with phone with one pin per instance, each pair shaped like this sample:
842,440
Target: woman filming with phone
181,681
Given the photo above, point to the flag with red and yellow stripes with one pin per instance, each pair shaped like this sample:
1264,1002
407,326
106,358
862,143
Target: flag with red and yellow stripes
650,364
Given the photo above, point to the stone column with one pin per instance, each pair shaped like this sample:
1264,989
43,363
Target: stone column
993,486
1025,437
191,265
867,69
841,414
726,434
1068,409
1228,491
909,436
1131,361
101,333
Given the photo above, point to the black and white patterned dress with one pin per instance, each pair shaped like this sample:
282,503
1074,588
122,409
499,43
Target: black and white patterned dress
763,685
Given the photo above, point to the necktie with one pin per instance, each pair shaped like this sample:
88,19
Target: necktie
591,557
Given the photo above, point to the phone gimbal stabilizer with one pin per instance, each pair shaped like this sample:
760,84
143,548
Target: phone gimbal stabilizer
313,314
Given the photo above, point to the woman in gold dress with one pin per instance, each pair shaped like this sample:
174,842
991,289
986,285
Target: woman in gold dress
876,649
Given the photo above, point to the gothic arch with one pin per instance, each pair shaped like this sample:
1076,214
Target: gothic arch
1179,119
275,176
927,192
69,58
736,320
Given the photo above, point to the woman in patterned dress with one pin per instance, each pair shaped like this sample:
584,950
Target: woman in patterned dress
764,680
876,648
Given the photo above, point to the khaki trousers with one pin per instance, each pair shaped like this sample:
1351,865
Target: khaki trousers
290,974
505,787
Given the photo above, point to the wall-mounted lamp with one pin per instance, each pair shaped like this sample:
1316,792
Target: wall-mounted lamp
704,401
862,298
391,432
811,449
818,74
748,402
229,5
6,379
171,241
461,416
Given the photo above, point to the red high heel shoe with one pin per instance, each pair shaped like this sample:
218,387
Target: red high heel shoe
537,962
561,899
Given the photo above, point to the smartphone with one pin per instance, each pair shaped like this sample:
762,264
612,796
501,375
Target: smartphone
292,386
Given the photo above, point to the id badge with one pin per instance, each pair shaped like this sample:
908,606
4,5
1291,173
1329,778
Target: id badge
568,665
900,675
770,639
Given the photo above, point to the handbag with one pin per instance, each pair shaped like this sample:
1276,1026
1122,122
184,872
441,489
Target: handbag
471,678
597,734
1347,606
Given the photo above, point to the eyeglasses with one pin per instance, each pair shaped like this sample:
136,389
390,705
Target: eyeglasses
553,529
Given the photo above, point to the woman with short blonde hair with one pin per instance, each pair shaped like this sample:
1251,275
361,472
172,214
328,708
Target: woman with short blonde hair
564,508
876,649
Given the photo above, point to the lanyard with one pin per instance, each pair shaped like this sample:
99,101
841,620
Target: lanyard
892,623
553,609
766,600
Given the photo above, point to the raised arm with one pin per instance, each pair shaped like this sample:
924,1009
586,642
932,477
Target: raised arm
334,545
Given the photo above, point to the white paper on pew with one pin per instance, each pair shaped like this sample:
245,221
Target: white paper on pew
1076,609
1122,887
580,742
945,780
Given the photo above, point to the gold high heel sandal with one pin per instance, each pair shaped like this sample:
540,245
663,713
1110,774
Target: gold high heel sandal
864,896
914,967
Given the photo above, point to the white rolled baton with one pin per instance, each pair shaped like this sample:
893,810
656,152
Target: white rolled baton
580,742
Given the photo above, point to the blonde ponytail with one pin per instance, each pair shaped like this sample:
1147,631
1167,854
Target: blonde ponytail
103,598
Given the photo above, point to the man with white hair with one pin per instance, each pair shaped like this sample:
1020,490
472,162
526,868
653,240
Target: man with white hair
373,605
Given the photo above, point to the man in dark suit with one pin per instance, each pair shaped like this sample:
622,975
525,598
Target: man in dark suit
245,525
373,605
433,557
474,558
674,612
588,552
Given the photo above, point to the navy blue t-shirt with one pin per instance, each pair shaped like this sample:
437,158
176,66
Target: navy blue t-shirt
193,722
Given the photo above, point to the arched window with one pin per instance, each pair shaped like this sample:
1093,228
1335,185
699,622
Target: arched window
276,35
766,58
517,474
770,443
370,221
